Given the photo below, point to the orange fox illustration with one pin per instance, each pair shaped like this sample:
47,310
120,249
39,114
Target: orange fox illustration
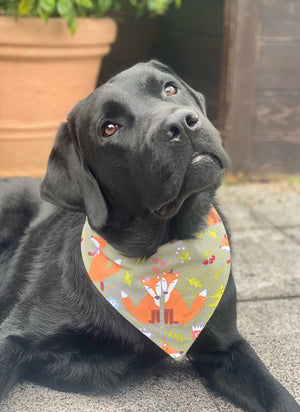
176,310
213,217
170,351
225,246
99,269
148,309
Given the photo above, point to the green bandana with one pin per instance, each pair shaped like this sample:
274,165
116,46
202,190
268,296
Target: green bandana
171,296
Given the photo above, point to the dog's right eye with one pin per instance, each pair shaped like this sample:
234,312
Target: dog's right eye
170,89
109,129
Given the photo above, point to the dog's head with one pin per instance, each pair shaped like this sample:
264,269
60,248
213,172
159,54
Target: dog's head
140,144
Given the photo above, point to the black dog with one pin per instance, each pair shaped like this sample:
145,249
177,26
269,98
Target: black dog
141,160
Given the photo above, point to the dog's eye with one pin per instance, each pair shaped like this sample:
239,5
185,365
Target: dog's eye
170,89
109,129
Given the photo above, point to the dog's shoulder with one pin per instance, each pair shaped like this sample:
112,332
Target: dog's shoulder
19,204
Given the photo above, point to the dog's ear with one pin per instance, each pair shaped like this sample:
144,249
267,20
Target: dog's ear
198,97
69,184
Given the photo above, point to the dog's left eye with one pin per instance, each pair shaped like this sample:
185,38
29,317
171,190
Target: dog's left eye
170,89
109,129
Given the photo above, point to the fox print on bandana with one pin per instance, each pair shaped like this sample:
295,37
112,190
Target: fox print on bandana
171,296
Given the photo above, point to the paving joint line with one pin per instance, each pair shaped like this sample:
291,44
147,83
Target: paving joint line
267,298
256,213
249,229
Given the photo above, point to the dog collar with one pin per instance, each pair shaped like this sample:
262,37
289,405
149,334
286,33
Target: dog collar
171,296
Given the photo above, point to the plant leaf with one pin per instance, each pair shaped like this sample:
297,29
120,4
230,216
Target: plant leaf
84,3
72,24
67,10
117,5
47,6
45,16
104,5
24,7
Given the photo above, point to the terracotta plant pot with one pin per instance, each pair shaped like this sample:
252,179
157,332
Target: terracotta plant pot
44,72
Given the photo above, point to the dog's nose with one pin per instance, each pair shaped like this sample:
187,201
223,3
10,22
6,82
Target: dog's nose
180,123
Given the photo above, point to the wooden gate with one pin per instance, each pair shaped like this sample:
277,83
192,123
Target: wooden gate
260,87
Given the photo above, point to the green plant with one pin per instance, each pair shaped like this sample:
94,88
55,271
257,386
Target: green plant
70,9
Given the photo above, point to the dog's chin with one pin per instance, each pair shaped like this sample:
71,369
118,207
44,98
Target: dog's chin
203,174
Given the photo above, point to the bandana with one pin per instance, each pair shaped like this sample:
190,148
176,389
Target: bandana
170,296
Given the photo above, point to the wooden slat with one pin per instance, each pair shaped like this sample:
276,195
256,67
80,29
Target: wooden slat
276,157
240,97
277,116
226,79
279,66
280,18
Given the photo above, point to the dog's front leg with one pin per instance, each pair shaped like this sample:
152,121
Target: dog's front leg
240,376
11,364
231,367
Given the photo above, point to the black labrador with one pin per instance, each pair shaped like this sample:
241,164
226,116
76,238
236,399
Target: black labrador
141,160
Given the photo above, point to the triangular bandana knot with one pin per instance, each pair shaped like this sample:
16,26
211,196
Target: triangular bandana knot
170,296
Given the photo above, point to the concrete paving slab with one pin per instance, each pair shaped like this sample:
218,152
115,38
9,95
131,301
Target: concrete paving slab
265,226
265,264
239,214
278,203
294,232
272,329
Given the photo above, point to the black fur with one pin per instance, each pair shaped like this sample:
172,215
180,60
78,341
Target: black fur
139,190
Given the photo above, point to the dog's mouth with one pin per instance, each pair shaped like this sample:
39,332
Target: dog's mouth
198,160
163,211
